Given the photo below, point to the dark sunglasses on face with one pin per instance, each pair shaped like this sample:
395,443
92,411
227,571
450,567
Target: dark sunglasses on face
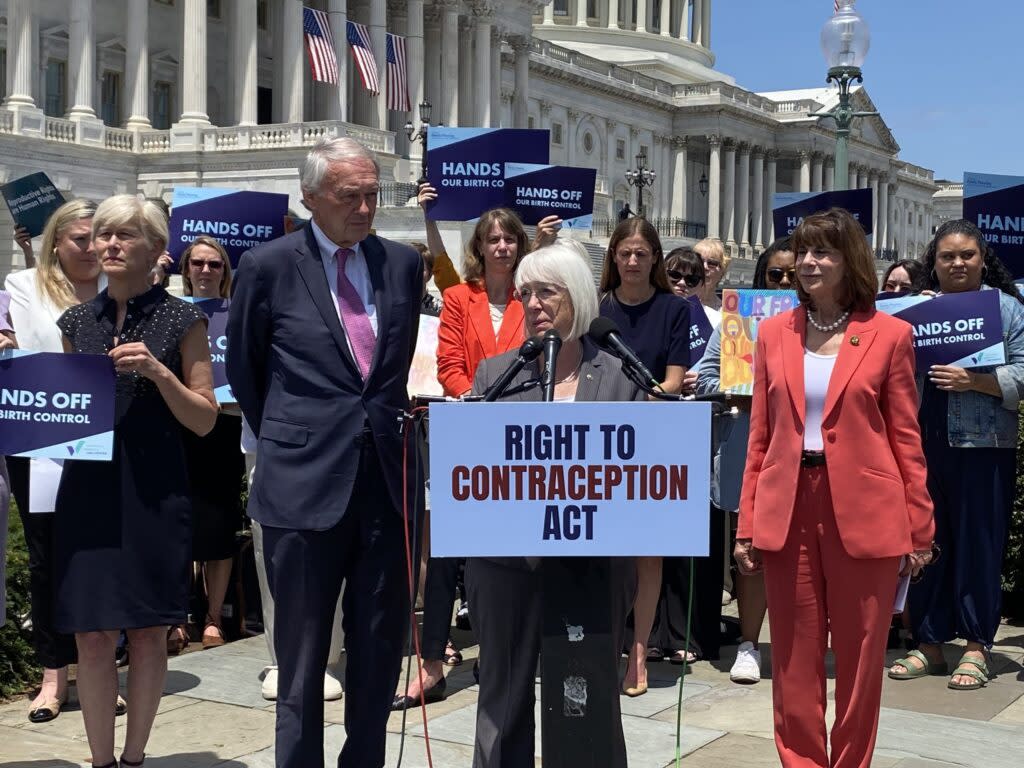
775,274
692,280
198,264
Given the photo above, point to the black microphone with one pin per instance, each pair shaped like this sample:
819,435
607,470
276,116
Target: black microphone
528,352
606,333
552,346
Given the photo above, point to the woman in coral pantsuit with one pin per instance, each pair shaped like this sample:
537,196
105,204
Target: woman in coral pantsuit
834,491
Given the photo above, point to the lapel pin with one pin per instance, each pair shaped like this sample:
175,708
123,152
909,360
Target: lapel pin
855,341
589,377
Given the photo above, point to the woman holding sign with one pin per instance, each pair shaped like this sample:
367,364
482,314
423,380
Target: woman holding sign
123,528
215,463
834,492
68,273
969,426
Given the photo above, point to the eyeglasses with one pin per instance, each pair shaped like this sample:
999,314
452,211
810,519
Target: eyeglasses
199,264
691,280
775,274
545,294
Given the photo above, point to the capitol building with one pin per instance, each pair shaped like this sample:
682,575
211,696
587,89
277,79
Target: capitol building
141,96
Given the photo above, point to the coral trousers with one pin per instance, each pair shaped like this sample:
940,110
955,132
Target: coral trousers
816,589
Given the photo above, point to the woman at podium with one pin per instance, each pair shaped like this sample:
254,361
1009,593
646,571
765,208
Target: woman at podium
555,286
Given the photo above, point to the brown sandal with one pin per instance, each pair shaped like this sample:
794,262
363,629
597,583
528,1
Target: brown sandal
212,641
177,639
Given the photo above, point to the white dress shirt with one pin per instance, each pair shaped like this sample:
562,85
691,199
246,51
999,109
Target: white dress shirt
356,271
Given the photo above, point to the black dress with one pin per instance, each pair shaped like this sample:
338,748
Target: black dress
215,470
123,528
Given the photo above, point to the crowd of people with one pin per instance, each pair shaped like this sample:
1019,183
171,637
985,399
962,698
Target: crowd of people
844,471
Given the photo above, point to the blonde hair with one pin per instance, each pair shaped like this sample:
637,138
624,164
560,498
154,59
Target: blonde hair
51,281
119,210
712,247
209,242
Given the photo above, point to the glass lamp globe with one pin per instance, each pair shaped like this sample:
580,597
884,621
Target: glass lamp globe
845,38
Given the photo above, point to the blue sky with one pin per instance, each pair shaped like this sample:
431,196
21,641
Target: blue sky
945,75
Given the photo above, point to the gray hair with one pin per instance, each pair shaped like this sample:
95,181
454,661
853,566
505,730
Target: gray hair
122,210
563,265
327,151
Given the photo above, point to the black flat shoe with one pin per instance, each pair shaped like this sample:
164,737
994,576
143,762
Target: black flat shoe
430,696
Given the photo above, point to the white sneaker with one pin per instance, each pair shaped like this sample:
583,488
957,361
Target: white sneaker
747,667
332,686
269,687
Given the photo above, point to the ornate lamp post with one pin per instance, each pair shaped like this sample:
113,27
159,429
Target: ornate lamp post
640,177
845,40
420,135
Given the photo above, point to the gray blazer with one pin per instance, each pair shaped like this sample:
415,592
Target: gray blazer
601,377
601,380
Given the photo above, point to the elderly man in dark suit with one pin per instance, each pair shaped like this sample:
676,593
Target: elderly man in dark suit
321,332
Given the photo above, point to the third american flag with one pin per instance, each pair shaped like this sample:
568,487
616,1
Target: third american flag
398,80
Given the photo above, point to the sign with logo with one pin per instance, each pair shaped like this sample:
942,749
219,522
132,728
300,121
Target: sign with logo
535,191
32,200
790,208
996,205
700,330
569,479
216,311
57,406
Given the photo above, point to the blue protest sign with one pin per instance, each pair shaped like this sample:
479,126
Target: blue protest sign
996,204
57,406
238,220
535,190
216,311
32,200
467,167
963,329
700,330
790,208
569,479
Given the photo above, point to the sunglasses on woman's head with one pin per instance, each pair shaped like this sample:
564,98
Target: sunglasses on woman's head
775,274
692,280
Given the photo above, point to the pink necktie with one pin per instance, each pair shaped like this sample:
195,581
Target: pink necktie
353,316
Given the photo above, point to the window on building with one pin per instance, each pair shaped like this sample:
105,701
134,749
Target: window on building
529,121
561,7
646,153
165,2
620,149
56,84
592,9
110,107
263,14
163,105
588,142
556,133
213,9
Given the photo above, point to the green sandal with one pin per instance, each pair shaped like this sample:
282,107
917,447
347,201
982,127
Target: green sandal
913,671
973,668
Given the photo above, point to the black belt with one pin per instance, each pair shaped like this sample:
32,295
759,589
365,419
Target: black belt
812,458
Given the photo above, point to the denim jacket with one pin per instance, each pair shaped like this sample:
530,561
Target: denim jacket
977,420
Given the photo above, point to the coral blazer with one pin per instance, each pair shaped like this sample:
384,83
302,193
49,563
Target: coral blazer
876,468
466,335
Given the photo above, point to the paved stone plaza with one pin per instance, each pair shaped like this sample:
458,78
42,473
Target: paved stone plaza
213,715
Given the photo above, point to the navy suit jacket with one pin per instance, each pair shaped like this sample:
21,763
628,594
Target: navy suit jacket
290,368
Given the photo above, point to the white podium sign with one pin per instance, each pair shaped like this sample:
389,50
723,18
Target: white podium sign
569,479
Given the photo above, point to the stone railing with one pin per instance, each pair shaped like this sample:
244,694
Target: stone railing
285,135
59,129
6,121
543,49
119,139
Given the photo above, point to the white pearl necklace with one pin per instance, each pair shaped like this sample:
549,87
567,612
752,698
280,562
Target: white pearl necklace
831,326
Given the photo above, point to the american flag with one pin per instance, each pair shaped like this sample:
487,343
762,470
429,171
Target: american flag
398,81
320,44
836,4
362,52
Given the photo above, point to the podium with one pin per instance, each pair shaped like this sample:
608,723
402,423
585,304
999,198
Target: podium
586,487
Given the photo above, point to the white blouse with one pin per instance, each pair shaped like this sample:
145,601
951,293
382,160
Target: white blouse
817,372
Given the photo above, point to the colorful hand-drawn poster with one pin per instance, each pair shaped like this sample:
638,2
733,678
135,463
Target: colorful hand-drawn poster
742,311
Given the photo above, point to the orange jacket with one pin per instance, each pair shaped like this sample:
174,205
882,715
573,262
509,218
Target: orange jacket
875,463
466,335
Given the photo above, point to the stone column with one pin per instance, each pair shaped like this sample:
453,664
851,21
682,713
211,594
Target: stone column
415,51
549,14
545,114
610,164
136,63
467,107
830,174
449,113
757,198
729,195
521,46
665,22
805,170
570,134
81,60
581,13
432,60
482,66
769,192
816,172
679,186
495,70
193,60
891,232
613,14
875,218
19,54
378,29
242,63
743,196
854,177
641,15
684,20
697,28
882,237
705,24
714,186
